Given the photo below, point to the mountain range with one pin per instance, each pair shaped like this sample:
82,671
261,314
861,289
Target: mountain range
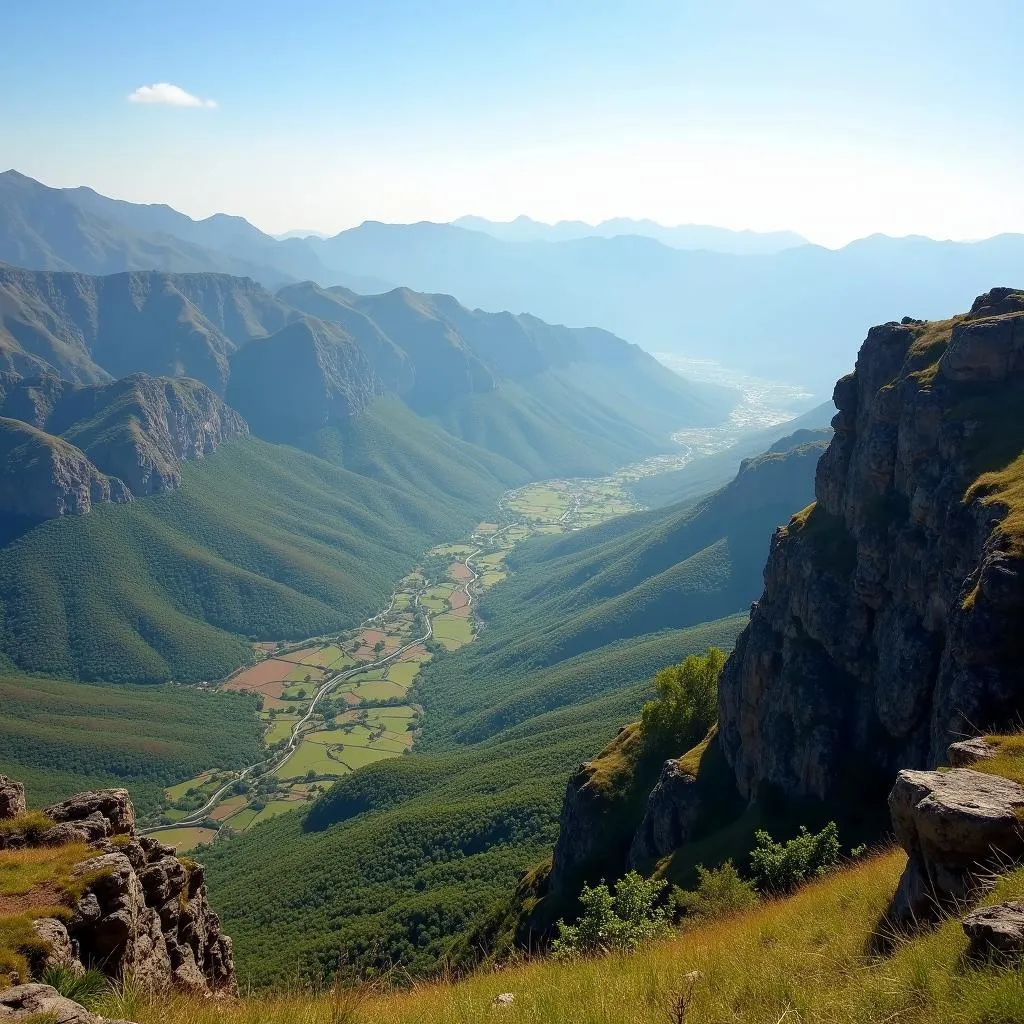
796,314
683,236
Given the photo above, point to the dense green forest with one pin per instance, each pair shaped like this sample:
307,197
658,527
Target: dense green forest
60,738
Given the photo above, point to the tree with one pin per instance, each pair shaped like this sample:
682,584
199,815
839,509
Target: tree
719,891
685,704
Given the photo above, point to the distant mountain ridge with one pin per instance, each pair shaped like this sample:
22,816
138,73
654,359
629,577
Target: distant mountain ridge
682,236
308,359
797,314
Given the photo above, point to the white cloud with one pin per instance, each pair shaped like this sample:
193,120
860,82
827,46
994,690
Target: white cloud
167,95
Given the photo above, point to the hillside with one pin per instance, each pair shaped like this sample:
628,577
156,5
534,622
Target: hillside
66,447
710,472
632,577
259,540
553,400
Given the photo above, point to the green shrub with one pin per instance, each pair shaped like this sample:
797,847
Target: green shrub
780,867
613,922
686,702
720,891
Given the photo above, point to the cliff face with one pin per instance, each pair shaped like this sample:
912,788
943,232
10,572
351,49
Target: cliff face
890,619
64,447
304,377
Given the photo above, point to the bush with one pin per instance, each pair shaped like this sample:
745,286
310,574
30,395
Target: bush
720,891
613,922
780,867
685,704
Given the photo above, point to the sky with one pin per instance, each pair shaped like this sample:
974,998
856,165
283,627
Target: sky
833,119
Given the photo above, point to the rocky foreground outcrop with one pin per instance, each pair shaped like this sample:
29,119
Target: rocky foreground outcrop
890,618
143,912
41,1003
958,828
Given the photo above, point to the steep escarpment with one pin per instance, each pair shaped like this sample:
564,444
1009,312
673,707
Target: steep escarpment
106,898
890,619
65,447
301,378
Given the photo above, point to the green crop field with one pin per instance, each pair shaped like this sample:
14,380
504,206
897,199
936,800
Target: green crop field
452,630
403,672
312,755
187,838
381,690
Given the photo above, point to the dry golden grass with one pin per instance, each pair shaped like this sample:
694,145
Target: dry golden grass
803,959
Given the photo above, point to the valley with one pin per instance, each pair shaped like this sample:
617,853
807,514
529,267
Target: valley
332,704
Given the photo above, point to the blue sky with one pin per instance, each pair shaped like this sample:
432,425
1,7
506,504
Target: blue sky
834,119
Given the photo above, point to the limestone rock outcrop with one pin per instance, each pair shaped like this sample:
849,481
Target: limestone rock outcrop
65,447
672,811
957,828
143,911
889,621
12,798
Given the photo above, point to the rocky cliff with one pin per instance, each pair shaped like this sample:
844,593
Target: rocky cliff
64,447
890,619
131,907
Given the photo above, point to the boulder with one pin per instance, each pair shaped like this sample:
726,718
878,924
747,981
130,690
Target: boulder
41,1002
968,752
955,827
996,933
12,798
114,805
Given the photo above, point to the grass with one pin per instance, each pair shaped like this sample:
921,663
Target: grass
1009,759
803,959
403,672
35,882
176,792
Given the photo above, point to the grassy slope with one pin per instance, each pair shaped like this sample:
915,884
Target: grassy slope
60,738
260,540
805,958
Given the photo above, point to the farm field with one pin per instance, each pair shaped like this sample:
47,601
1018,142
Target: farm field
185,839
